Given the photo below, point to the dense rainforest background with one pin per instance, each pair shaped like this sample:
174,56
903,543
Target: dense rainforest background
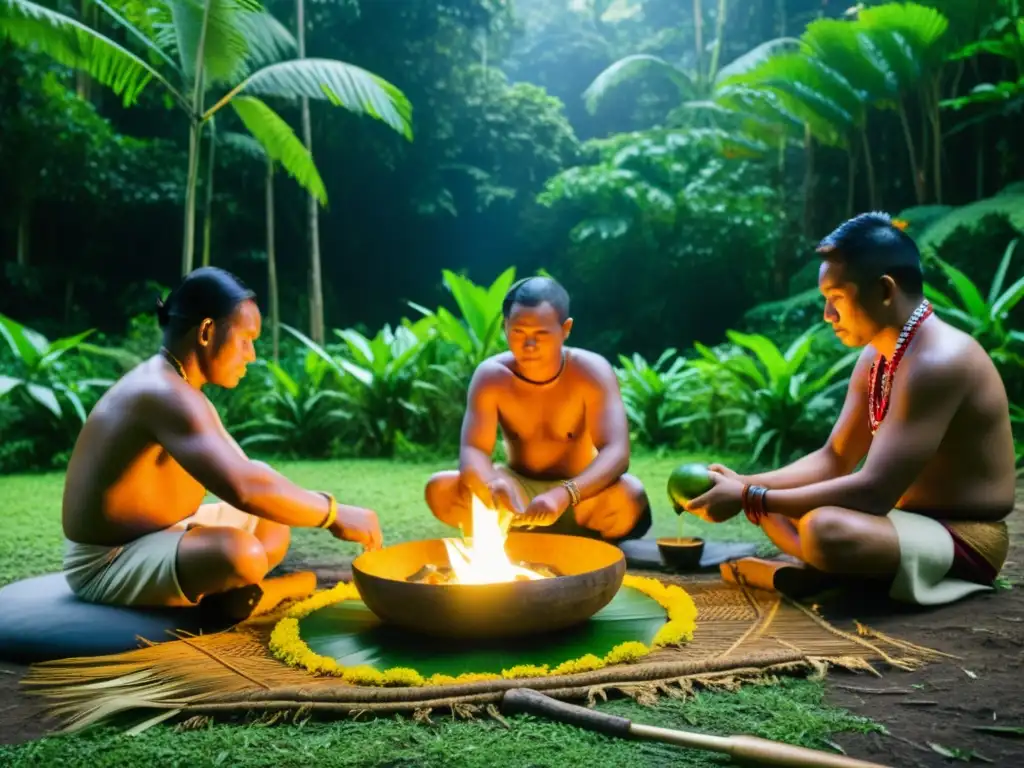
380,170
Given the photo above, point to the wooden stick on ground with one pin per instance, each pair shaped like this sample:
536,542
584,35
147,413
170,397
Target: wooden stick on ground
750,748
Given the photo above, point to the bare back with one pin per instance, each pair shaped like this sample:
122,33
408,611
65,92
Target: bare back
121,483
545,426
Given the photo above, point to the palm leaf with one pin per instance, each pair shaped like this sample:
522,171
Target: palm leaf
755,57
268,40
1008,300
916,27
138,35
344,85
969,294
971,217
842,47
77,46
280,143
630,67
225,46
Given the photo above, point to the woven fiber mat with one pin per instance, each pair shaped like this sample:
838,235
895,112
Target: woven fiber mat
742,635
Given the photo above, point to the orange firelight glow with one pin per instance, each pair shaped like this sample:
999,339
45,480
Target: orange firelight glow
481,558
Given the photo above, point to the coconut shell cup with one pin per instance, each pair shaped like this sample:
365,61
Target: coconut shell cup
681,554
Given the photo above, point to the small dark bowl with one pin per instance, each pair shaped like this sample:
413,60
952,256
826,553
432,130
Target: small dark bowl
682,554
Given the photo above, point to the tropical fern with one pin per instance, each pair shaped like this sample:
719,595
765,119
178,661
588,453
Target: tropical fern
1009,205
280,143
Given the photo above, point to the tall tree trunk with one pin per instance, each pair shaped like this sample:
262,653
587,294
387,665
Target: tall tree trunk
194,136
936,121
914,168
316,290
208,214
716,52
698,37
275,306
869,163
808,181
24,229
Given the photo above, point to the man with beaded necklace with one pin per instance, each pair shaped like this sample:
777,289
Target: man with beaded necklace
926,412
136,531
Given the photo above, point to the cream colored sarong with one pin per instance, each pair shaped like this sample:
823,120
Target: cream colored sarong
143,572
927,554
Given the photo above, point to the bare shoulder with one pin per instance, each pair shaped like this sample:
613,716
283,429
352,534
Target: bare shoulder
591,367
493,372
950,362
156,397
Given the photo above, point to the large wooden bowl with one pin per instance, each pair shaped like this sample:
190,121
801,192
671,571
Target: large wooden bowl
593,574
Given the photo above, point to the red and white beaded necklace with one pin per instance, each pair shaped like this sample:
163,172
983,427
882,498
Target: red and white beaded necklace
879,391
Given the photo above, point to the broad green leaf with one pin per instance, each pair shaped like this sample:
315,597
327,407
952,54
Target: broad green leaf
765,350
76,402
60,346
77,46
19,341
755,56
967,290
472,302
799,349
317,349
361,347
352,635
283,379
1005,303
763,442
280,143
454,331
630,67
344,85
8,383
45,397
920,27
1004,265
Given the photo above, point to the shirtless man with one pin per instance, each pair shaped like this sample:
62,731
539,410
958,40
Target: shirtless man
564,425
137,533
925,514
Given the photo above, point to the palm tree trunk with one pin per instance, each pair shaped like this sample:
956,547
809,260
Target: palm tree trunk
870,165
698,37
275,307
208,214
194,136
316,290
24,228
716,53
936,120
914,169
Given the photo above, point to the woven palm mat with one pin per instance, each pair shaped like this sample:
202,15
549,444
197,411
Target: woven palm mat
742,636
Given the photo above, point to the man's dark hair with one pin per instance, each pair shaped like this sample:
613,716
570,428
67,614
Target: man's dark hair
207,292
872,246
534,291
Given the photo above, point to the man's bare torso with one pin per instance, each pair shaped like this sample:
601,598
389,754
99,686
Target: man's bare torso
545,425
120,483
971,476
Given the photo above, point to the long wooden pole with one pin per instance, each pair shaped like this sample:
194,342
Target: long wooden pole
759,751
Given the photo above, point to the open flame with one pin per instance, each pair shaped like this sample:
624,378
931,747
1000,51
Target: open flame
481,559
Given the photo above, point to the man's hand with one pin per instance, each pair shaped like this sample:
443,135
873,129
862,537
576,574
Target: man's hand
503,495
724,470
723,501
358,525
545,509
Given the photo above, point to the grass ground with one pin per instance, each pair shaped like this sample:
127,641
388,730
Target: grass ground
792,711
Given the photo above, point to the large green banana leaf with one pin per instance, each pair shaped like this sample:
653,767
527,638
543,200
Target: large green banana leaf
351,634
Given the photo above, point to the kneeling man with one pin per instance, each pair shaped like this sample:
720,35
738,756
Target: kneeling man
152,447
927,413
564,427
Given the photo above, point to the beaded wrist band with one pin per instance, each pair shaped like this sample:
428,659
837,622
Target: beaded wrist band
753,503
332,511
574,492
